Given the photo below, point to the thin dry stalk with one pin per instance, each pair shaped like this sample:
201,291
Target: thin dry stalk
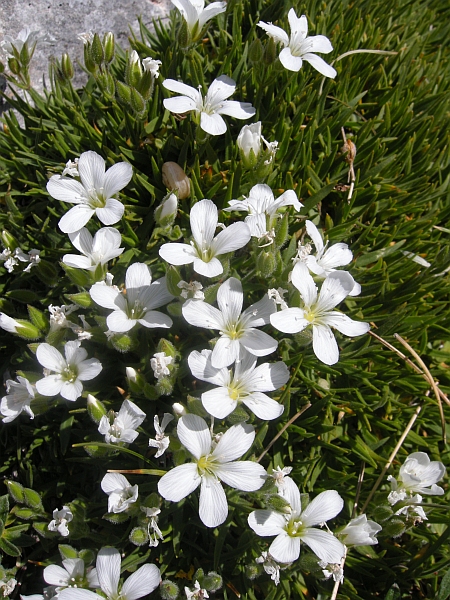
283,429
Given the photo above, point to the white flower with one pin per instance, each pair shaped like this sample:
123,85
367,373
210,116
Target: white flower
71,168
360,532
299,47
8,586
58,316
162,440
209,108
120,493
278,296
70,372
326,259
60,520
191,290
139,584
19,395
332,570
123,428
202,252
197,592
196,15
166,212
270,566
8,323
417,474
210,466
93,194
159,364
26,35
317,312
104,246
152,65
86,37
411,511
298,526
152,514
262,207
278,475
236,329
13,258
246,385
34,258
138,302
73,575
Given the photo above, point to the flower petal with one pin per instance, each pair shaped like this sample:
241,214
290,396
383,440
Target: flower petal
264,407
238,110
324,344
119,322
141,582
111,213
314,234
234,443
266,523
243,475
204,218
193,433
181,88
324,545
338,255
219,90
116,178
212,124
82,240
212,268
322,508
56,575
108,297
71,390
229,299
213,506
290,320
284,548
89,369
303,281
266,377
225,352
320,65
278,34
50,385
289,61
177,254
201,368
258,314
258,342
179,105
108,570
50,358
344,324
114,481
76,261
217,402
201,314
291,493
66,189
137,275
213,9
75,218
231,238
179,482
91,167
334,289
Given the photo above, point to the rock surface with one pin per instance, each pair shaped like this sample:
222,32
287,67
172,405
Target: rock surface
63,20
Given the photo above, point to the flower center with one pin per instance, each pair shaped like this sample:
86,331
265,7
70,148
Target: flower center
294,528
205,464
96,198
137,311
70,373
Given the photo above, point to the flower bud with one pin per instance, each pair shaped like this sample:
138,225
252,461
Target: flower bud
167,211
138,536
175,179
184,35
97,54
266,263
133,71
164,386
173,278
14,65
122,342
9,241
255,52
88,61
382,512
279,504
212,582
394,527
270,52
123,92
108,46
167,347
178,409
169,590
145,85
249,144
67,66
253,571
106,82
95,408
137,102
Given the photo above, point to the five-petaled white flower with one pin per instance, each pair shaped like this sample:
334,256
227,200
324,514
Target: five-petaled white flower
237,330
60,520
69,372
360,532
246,385
209,108
203,251
137,303
299,46
152,65
139,584
298,526
417,474
211,465
162,440
122,428
19,395
25,36
262,207
120,493
326,259
73,575
93,194
97,250
196,15
318,312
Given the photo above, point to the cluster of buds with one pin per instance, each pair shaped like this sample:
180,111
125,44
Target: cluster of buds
98,55
139,82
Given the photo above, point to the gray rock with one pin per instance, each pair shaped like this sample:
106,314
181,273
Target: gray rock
63,20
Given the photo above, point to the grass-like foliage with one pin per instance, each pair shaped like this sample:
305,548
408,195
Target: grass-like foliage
343,425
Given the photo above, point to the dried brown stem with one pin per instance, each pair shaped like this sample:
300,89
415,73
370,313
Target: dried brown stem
283,429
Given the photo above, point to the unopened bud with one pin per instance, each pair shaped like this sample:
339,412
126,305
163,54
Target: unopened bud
266,263
270,52
95,408
123,92
175,179
122,342
184,35
279,504
145,85
137,102
138,536
249,144
178,409
382,512
67,66
8,240
88,61
253,571
167,211
106,82
133,72
167,347
173,278
14,65
169,590
97,54
212,582
164,386
282,231
108,46
394,527
255,52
